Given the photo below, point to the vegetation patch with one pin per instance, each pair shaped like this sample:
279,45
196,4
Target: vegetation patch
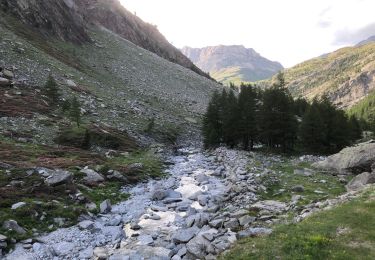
344,232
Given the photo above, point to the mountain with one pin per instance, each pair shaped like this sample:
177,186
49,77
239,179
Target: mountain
123,70
233,63
347,75
368,40
71,18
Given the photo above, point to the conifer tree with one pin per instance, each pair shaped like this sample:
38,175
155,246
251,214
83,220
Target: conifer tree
51,90
355,128
75,111
248,125
230,119
212,123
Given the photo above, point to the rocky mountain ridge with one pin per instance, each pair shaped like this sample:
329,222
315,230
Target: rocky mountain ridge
232,63
69,20
347,76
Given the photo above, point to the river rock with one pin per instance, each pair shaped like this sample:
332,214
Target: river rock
216,223
359,181
159,194
18,205
356,159
184,235
58,177
4,82
92,177
246,220
13,225
63,248
86,224
101,253
105,206
232,224
298,188
270,205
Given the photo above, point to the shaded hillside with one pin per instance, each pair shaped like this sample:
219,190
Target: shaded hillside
346,75
69,20
232,63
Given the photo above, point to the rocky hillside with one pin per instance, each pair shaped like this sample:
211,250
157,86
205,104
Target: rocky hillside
118,82
347,75
232,63
69,20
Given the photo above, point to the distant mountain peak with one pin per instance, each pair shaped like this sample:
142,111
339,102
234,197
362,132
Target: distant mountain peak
232,63
368,40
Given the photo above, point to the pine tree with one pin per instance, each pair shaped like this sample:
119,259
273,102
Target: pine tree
51,90
75,111
311,133
277,120
355,128
230,118
248,125
212,124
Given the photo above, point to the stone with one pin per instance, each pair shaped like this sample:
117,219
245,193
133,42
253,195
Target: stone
58,177
92,177
101,253
8,74
4,82
176,257
13,225
71,83
270,205
360,181
87,253
298,188
86,224
145,240
246,220
154,217
239,213
135,226
202,200
158,208
18,205
63,248
105,206
216,223
355,159
184,235
135,167
171,200
173,194
2,238
201,219
254,232
91,206
232,224
114,232
197,246
159,194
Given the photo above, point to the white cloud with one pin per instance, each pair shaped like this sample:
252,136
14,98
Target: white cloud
288,31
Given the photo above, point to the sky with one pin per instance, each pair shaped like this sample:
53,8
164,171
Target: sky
288,31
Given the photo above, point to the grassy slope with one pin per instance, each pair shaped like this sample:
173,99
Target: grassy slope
327,73
365,108
344,232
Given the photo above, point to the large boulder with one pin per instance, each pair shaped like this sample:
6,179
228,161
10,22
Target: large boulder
58,177
13,226
4,81
356,159
359,181
92,177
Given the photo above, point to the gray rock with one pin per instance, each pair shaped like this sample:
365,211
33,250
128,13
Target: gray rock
13,225
145,240
197,246
270,205
105,207
86,224
3,238
8,74
159,194
202,200
18,205
70,83
63,248
216,223
114,232
184,235
232,224
354,159
4,82
135,167
201,219
135,226
101,253
92,177
173,194
154,217
298,188
254,232
158,208
239,213
246,220
86,253
359,181
58,177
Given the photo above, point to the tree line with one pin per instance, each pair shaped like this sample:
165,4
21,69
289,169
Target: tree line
271,117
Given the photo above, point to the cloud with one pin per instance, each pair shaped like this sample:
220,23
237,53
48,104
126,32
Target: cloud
348,36
325,18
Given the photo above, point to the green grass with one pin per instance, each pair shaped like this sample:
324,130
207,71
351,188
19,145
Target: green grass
110,190
287,179
344,232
